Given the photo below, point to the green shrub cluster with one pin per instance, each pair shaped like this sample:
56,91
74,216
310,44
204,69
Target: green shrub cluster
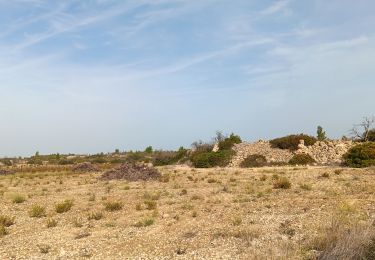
228,142
254,160
361,155
291,141
203,156
301,159
211,159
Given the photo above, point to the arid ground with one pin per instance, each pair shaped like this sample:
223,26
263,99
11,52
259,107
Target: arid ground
222,213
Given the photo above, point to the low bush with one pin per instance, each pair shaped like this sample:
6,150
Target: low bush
361,155
211,159
291,142
254,160
301,159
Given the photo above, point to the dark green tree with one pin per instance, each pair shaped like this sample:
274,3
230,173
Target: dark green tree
321,135
148,149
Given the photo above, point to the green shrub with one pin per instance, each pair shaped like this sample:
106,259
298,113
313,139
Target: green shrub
228,142
301,159
361,155
211,159
64,206
291,142
254,160
149,149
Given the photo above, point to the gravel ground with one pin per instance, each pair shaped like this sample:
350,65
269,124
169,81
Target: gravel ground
190,214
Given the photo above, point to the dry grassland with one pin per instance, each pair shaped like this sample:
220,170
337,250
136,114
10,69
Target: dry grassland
263,213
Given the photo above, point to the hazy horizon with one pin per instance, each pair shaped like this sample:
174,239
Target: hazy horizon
98,75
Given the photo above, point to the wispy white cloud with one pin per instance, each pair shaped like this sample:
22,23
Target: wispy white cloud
277,6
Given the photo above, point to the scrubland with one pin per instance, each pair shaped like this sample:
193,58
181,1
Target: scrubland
218,213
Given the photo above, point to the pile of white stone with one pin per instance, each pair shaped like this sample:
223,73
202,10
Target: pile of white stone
261,147
323,152
326,152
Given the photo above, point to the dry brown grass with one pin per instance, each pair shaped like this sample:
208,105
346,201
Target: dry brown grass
192,213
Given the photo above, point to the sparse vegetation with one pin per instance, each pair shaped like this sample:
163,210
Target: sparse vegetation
234,202
145,223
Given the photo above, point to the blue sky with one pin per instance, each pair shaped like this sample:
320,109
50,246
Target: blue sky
95,75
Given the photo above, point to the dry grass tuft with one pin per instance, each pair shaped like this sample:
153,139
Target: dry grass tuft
113,205
282,183
37,211
6,221
64,206
18,198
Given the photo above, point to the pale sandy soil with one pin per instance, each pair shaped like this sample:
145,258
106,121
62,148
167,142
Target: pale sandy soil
199,213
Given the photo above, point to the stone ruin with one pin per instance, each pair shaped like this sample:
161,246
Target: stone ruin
323,152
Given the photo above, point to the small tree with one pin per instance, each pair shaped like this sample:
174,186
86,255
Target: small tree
148,149
117,151
219,137
321,135
363,130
